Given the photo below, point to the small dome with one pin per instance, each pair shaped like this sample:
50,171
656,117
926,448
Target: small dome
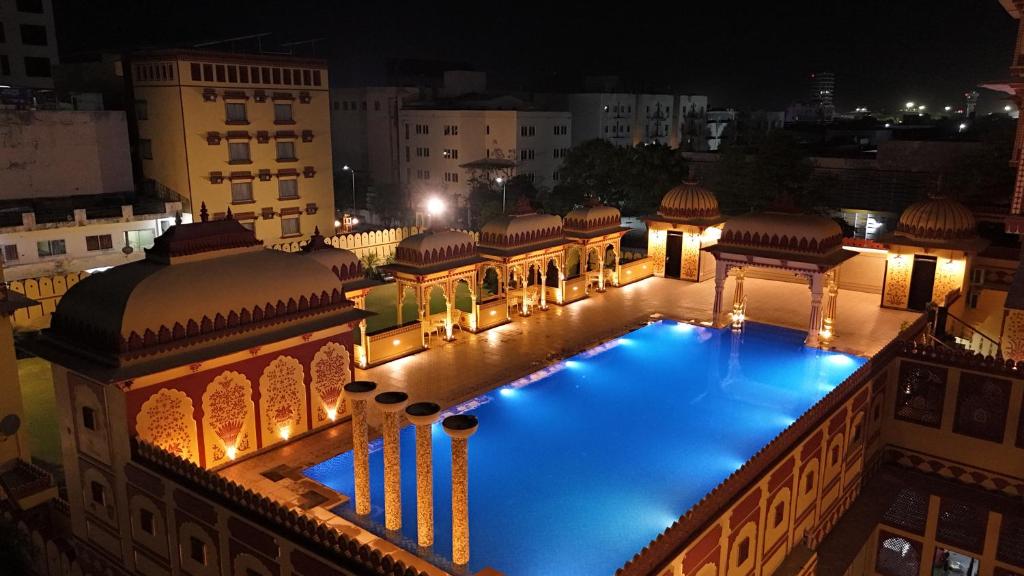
783,231
689,200
435,247
937,219
344,263
593,218
521,230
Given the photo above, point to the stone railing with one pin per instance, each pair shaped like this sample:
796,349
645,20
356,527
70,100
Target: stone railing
317,537
47,292
677,537
381,243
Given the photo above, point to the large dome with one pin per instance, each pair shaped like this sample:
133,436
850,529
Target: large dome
937,220
521,230
190,287
593,219
689,201
435,247
787,232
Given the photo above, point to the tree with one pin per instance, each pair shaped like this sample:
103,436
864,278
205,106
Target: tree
485,197
652,170
16,550
389,202
781,170
597,168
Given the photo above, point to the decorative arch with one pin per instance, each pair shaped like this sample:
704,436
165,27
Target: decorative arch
283,399
229,421
330,370
166,420
778,515
186,534
106,509
834,458
91,441
742,552
158,539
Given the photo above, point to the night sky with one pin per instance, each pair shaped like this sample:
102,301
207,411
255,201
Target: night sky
883,52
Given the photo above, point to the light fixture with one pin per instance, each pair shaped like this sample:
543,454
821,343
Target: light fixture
355,221
435,206
396,342
332,414
232,452
337,223
910,105
284,432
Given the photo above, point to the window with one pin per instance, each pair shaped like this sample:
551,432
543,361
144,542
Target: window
451,153
451,176
221,77
37,67
285,151
147,522
407,153
10,253
99,242
363,105
241,192
809,482
197,73
487,129
238,152
283,113
48,248
556,176
316,77
97,493
526,154
287,76
248,225
743,552
451,130
288,188
139,239
835,455
232,73
407,131
197,550
208,72
30,6
243,74
5,65
527,130
423,129
422,152
33,35
146,148
290,227
88,418
276,75
235,112
141,110
780,514
376,105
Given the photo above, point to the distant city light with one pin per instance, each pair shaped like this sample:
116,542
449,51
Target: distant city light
948,108
337,223
1007,108
910,105
921,107
887,125
355,221
963,127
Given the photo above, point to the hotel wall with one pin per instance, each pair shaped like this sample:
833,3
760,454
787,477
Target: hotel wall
950,269
801,496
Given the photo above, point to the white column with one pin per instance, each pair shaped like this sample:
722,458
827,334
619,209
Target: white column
459,429
720,274
358,393
423,415
391,403
815,321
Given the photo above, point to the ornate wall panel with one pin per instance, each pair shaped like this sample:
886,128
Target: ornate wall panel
282,399
920,393
330,370
167,420
229,420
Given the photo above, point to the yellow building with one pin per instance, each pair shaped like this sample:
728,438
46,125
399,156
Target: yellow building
687,221
240,131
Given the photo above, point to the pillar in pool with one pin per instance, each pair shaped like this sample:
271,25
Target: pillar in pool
459,429
391,404
423,415
358,393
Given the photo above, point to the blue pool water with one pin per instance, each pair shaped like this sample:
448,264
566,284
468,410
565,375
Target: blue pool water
581,465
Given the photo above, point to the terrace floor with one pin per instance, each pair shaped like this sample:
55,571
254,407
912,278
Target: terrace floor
451,372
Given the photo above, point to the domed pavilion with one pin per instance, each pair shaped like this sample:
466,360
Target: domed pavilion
597,231
527,251
929,253
808,246
687,220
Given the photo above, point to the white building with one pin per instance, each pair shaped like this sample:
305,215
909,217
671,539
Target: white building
630,119
439,139
717,123
28,44
52,242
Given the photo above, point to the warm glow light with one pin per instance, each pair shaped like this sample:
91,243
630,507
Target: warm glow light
332,414
948,108
499,179
507,392
1007,108
435,206
355,221
910,105
396,342
284,432
345,167
493,312
575,288
712,233
232,452
337,223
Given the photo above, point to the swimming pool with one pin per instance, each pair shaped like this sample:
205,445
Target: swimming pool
579,466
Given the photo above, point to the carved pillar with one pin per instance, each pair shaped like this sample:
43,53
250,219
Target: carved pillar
600,273
364,342
618,263
358,393
449,303
738,308
828,323
815,321
391,403
401,301
721,271
525,310
459,429
543,291
423,415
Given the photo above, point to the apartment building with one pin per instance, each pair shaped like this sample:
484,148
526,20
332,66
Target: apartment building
365,128
627,119
245,132
445,144
28,44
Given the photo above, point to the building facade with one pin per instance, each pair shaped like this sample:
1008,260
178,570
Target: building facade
365,128
249,133
437,143
627,119
28,44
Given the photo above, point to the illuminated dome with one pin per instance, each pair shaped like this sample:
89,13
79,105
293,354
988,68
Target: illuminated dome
521,230
344,263
781,231
435,247
689,201
199,283
937,220
593,219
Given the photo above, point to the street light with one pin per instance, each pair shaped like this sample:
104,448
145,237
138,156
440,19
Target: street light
1007,108
346,168
503,182
909,105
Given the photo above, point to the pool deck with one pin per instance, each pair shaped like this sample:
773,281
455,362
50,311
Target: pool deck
451,372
